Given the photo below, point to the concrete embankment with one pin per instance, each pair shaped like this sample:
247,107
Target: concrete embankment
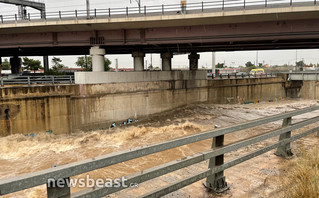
68,108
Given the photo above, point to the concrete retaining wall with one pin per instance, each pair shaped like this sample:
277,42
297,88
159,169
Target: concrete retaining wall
143,76
66,108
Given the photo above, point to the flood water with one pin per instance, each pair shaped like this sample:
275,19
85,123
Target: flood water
259,177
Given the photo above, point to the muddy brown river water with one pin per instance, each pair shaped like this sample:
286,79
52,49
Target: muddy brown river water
259,177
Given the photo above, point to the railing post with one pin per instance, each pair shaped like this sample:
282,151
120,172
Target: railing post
29,81
2,83
126,11
145,10
217,182
29,18
315,2
223,5
202,6
60,15
16,18
285,150
266,3
290,2
52,78
1,18
110,12
76,14
244,4
162,9
71,80
58,189
95,13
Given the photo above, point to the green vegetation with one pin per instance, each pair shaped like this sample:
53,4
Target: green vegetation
85,62
31,64
6,65
220,65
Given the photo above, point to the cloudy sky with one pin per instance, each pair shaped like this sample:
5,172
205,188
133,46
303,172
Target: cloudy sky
230,58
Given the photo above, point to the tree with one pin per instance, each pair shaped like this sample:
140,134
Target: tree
31,64
220,65
300,63
249,64
85,62
260,64
6,65
57,64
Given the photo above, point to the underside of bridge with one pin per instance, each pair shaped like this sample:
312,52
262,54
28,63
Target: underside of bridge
288,34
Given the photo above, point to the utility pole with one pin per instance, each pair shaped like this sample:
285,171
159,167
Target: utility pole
88,8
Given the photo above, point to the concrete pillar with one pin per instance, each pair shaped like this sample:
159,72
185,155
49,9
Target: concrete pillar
0,67
213,63
97,59
46,63
138,60
193,61
166,61
16,63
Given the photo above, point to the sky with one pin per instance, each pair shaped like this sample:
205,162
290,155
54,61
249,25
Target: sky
235,59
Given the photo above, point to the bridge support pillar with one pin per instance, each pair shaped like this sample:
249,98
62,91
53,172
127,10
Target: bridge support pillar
193,61
166,61
285,150
217,182
97,59
15,63
46,63
138,60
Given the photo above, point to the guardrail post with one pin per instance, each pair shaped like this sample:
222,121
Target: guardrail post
126,11
95,13
202,6
15,16
162,9
145,10
71,80
52,79
76,14
223,5
58,189
217,182
110,12
1,18
285,150
2,83
29,81
60,15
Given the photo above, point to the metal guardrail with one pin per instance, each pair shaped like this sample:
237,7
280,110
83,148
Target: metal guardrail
238,76
214,174
36,80
303,76
172,9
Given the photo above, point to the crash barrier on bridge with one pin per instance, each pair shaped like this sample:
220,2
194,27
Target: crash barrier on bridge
35,80
214,175
311,75
236,76
173,9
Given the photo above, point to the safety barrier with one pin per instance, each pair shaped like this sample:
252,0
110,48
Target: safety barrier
214,175
172,9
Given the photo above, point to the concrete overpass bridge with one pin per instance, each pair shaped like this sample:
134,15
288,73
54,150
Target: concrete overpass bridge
166,29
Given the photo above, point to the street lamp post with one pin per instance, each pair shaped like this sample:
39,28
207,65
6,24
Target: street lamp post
138,3
88,8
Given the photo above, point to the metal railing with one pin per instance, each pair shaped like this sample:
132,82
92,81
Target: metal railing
172,9
36,80
238,76
214,174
